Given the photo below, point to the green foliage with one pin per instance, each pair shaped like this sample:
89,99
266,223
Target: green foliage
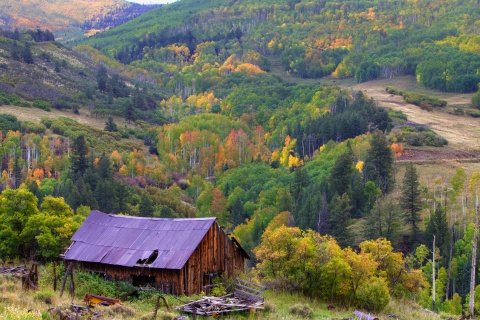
301,310
93,283
418,136
423,101
373,295
42,105
8,122
379,162
410,200
393,90
45,296
476,100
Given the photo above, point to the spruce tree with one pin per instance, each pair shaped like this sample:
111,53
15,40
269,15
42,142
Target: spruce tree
379,163
339,219
79,156
438,226
410,199
146,206
110,125
102,78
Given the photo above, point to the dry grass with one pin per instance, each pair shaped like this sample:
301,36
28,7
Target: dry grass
35,115
462,132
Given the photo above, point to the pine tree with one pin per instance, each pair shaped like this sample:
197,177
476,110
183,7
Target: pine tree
379,163
79,156
339,220
410,199
110,125
129,111
438,226
26,54
341,175
102,78
146,206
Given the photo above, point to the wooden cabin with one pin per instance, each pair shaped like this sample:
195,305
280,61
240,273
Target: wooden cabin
177,256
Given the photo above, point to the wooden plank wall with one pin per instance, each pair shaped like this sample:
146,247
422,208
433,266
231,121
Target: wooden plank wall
169,281
216,254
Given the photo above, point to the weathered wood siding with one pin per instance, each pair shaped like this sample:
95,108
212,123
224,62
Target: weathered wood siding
216,254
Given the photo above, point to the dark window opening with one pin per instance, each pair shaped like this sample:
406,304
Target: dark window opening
143,281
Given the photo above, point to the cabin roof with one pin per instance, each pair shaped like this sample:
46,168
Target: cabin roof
135,241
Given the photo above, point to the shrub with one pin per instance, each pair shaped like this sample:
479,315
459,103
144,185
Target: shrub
43,105
302,310
32,127
475,114
423,101
373,295
393,90
47,122
46,296
476,100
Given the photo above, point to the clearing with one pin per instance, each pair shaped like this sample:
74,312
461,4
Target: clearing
35,115
462,132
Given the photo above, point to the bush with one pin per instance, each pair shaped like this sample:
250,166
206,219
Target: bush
373,295
476,100
302,310
32,127
46,296
475,114
393,90
423,101
47,122
43,105
93,283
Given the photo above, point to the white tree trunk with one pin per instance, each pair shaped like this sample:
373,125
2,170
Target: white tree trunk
474,263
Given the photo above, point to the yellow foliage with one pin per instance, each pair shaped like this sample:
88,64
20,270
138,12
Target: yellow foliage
359,166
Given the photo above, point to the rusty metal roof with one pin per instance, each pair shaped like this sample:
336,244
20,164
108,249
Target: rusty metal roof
124,240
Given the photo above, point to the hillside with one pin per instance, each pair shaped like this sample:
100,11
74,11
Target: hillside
260,114
67,19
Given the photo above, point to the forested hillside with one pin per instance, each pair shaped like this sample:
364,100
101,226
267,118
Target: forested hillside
299,172
68,19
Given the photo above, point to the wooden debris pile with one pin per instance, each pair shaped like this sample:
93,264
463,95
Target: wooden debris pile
15,271
75,313
246,296
209,306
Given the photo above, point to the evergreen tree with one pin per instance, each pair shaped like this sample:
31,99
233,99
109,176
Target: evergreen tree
438,226
79,156
105,169
129,111
384,220
102,78
26,54
110,125
105,196
410,200
342,174
16,35
339,220
17,171
146,206
379,162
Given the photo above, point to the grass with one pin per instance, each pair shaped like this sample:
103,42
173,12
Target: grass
30,305
35,115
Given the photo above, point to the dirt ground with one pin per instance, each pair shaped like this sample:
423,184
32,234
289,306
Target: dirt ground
462,132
